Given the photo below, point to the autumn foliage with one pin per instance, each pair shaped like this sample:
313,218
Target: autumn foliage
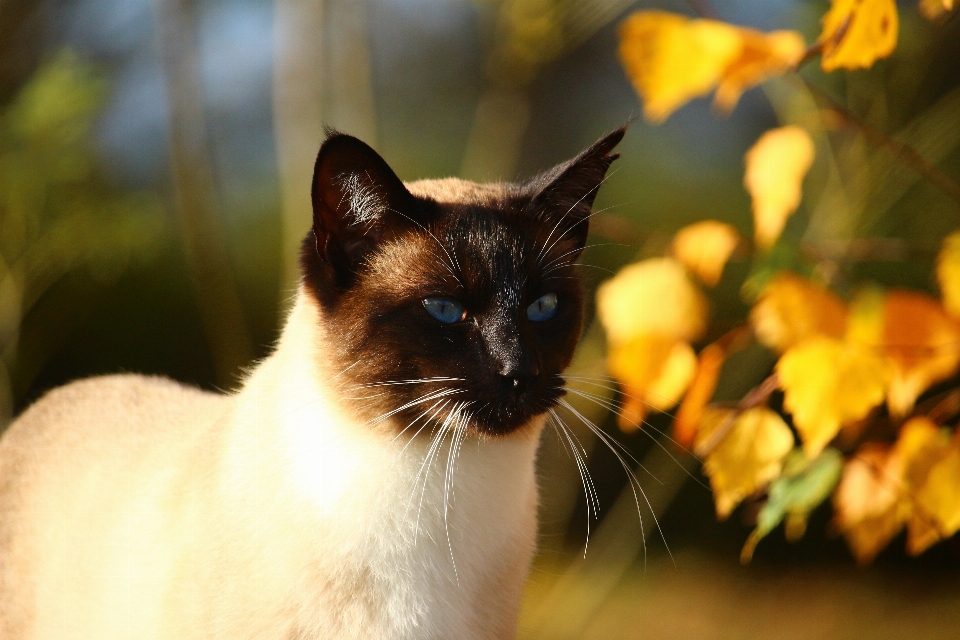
851,366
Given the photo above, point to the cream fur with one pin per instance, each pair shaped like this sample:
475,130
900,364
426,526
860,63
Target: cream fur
137,508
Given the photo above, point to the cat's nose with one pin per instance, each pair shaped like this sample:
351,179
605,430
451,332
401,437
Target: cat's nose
518,376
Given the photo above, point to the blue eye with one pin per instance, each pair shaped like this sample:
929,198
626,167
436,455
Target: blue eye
445,309
544,308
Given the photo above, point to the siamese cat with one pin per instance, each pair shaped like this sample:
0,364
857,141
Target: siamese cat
372,478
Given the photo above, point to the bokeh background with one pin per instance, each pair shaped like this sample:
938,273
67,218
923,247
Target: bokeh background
155,158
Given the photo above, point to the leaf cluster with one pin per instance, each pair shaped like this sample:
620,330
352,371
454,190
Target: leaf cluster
852,362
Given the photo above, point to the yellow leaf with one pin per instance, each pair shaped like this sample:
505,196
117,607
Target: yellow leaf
937,509
948,273
776,165
869,505
699,394
856,33
748,457
923,447
827,384
762,56
704,248
935,9
654,372
920,342
653,297
672,59
791,309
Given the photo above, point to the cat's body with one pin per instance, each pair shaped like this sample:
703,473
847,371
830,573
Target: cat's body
325,499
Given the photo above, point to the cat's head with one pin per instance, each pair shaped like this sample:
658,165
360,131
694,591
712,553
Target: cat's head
447,301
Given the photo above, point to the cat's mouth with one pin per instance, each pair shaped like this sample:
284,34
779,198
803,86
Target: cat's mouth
498,412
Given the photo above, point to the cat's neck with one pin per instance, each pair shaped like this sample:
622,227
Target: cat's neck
453,532
292,399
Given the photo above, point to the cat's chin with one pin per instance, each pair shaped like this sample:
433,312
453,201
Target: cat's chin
512,418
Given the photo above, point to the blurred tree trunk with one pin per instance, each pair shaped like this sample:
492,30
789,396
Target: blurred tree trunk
297,119
309,56
352,104
527,35
194,191
21,24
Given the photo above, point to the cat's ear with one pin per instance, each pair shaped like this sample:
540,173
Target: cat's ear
357,201
563,196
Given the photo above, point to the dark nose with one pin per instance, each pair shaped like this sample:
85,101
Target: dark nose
517,375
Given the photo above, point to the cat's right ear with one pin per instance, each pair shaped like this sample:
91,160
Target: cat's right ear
357,200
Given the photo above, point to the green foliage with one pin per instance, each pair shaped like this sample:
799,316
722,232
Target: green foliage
58,213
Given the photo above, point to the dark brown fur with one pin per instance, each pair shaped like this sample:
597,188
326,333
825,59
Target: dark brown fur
379,247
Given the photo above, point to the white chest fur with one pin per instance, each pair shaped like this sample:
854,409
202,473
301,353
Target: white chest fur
418,536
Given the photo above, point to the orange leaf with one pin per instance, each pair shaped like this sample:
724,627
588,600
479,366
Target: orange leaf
690,413
935,9
856,33
948,273
749,457
704,248
653,297
926,450
654,372
776,165
937,498
791,309
672,59
919,340
869,503
827,384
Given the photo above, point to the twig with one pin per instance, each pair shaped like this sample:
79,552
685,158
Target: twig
757,396
900,151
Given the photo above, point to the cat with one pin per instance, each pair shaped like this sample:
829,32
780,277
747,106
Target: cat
372,478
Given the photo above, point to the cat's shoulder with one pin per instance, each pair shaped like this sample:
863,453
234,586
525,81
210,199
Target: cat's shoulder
116,406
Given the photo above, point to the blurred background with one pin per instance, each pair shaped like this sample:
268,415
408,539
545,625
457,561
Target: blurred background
155,158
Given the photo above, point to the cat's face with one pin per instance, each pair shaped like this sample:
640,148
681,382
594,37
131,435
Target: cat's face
446,301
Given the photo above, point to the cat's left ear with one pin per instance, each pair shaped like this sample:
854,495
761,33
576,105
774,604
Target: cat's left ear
357,201
563,196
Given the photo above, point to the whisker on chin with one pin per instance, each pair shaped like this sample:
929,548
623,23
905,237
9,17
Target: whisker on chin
616,408
456,439
430,396
631,479
611,384
589,489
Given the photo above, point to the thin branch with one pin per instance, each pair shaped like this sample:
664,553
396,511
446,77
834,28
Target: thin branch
757,397
900,151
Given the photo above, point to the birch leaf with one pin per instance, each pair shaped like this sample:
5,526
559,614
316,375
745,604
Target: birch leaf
920,342
748,457
856,33
791,309
672,59
948,273
704,248
869,505
655,297
654,372
827,384
709,363
776,166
